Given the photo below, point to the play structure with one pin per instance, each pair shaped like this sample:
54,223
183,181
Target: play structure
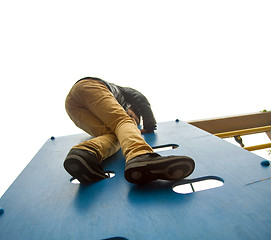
226,197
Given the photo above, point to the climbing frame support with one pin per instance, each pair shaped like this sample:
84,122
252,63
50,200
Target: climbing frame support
43,202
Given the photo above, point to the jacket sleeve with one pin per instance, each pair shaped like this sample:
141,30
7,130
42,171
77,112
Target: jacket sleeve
141,104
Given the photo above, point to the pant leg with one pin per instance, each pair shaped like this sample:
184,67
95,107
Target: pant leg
105,143
97,99
83,118
103,146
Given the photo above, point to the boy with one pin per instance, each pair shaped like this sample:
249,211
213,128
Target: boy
110,114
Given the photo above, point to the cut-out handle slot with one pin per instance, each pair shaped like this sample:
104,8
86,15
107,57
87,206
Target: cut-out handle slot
199,184
110,174
115,238
165,147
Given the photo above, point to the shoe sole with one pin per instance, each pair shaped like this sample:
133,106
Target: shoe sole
166,169
79,169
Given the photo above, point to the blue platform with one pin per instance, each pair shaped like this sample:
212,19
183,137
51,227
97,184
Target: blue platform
43,204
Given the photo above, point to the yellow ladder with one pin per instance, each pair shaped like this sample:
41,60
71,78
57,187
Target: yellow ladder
237,126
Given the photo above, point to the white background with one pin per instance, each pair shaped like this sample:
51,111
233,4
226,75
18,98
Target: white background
192,59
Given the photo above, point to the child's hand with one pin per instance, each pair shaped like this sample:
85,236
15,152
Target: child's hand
146,131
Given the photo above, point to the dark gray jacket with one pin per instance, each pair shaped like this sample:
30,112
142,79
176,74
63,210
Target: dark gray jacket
129,97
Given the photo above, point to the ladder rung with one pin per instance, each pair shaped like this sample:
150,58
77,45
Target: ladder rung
243,132
258,147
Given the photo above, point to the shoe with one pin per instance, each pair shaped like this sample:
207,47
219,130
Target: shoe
84,166
151,166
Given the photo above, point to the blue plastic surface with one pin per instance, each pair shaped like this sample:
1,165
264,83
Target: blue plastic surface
43,204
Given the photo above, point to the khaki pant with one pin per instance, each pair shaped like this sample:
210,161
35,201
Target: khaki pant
93,108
